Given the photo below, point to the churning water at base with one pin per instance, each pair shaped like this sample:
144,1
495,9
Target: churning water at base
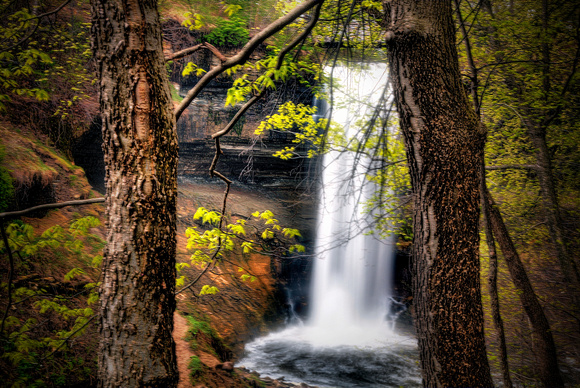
348,338
388,362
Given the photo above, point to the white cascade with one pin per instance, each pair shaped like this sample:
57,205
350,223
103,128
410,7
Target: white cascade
350,289
346,340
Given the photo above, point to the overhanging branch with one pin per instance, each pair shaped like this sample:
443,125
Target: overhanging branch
245,52
49,206
191,50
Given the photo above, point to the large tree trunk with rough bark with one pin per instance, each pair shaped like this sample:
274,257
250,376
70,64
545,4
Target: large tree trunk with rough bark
140,144
444,141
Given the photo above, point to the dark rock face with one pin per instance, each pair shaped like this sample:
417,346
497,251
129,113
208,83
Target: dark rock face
33,193
88,153
246,162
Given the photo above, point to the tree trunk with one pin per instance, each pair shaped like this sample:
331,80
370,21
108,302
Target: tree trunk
537,134
492,271
543,340
140,146
492,284
444,142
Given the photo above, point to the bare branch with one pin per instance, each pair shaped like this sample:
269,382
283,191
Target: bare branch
65,340
513,167
183,53
50,206
64,4
237,116
245,53
300,37
191,50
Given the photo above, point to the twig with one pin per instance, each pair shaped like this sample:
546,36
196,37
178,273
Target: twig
50,206
513,166
64,4
10,276
69,336
191,50
209,263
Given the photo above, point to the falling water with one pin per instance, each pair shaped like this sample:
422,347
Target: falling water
347,339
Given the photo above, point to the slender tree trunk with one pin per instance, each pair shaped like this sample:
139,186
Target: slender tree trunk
140,145
543,340
492,271
492,284
444,142
537,134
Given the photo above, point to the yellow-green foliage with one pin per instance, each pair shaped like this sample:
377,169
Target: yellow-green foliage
6,187
244,86
195,368
299,121
38,58
23,349
211,244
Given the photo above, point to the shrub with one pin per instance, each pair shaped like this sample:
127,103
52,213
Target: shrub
195,368
6,187
229,33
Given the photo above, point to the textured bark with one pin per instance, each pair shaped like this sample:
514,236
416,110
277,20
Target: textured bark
543,341
444,142
140,146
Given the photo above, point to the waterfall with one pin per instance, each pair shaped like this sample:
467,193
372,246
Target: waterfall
346,340
351,281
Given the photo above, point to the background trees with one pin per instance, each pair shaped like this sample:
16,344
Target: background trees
522,77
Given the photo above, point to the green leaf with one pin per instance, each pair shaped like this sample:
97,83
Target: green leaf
208,290
199,213
73,273
267,234
290,233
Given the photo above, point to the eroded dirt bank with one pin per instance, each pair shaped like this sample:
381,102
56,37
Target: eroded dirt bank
213,328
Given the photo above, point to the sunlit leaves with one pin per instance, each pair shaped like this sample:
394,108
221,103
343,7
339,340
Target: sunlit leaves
212,244
192,68
193,21
269,76
208,290
288,232
211,217
297,119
